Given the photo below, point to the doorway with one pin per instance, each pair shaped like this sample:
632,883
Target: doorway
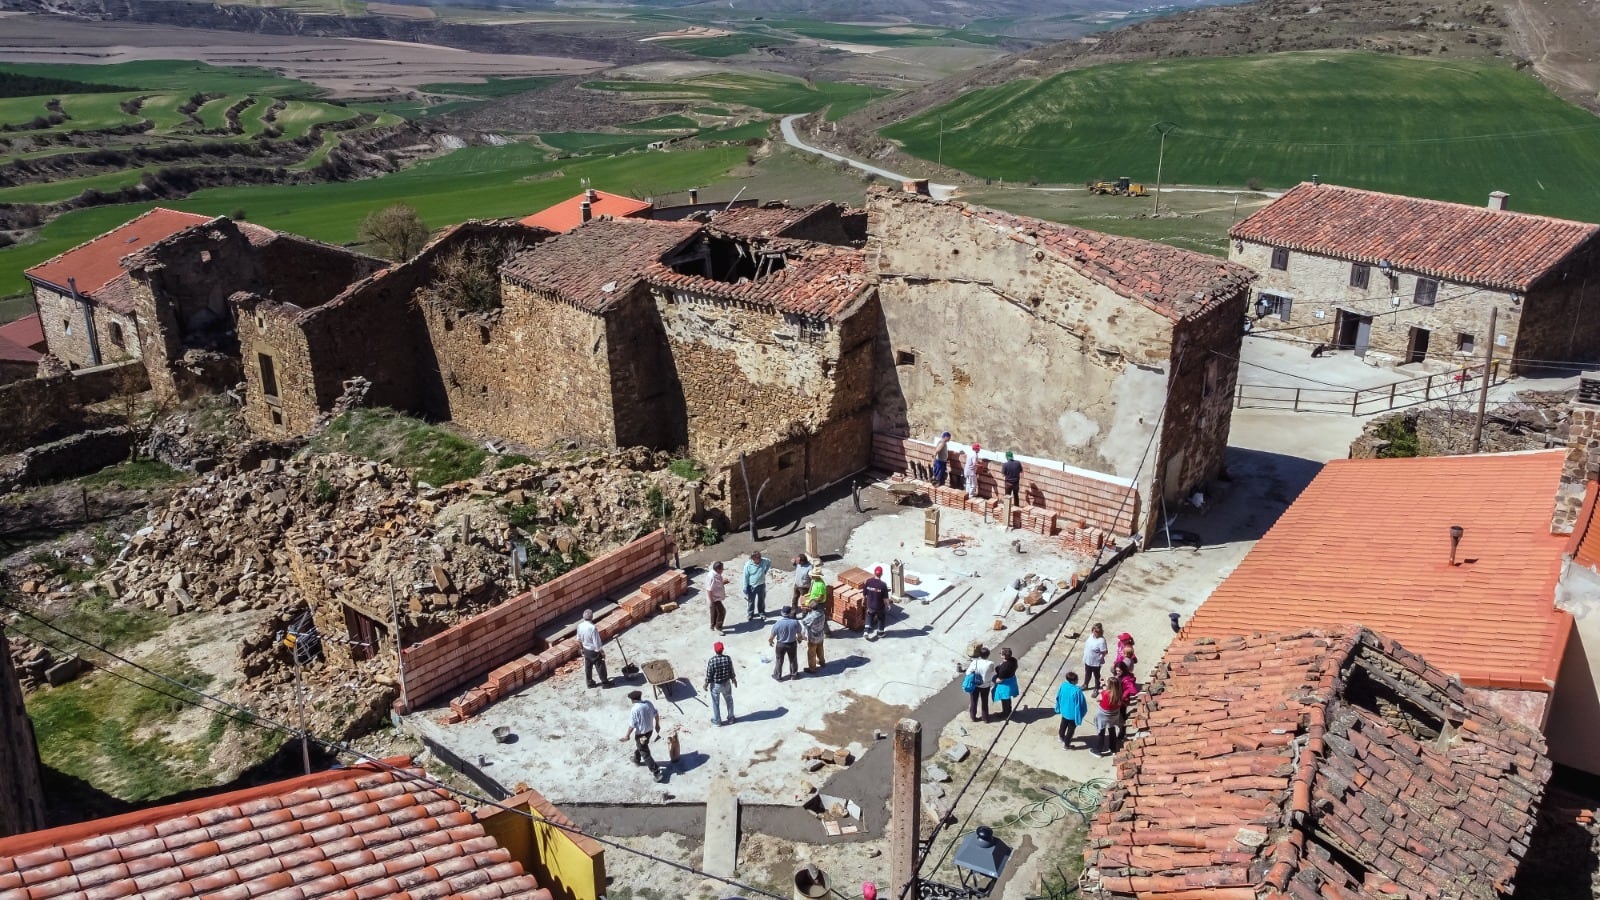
365,634
1352,331
1417,346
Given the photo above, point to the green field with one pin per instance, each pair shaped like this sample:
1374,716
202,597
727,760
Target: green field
53,191
725,45
591,142
887,36
673,122
1420,127
490,89
171,75
472,183
768,93
747,132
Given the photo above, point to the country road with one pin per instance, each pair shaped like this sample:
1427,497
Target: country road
939,191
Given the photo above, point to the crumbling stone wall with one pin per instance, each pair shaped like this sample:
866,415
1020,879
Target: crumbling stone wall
1560,328
41,409
998,342
1199,413
61,319
21,794
1583,459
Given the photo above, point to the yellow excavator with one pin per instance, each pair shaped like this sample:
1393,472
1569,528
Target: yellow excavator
1122,187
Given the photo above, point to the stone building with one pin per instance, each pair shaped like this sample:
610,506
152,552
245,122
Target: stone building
84,299
183,290
21,794
1055,342
1574,727
1402,280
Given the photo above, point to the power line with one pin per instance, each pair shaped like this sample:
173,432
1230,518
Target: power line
249,717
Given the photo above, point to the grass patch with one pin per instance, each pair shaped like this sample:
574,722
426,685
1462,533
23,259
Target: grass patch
1412,126
687,469
66,189
750,131
171,75
430,453
768,93
725,45
98,619
492,88
592,142
135,474
673,122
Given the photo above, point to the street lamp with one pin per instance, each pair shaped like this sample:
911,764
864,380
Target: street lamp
1165,128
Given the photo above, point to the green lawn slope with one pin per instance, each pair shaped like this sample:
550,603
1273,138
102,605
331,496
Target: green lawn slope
1431,128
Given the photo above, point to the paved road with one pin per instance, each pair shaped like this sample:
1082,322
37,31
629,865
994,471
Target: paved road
940,191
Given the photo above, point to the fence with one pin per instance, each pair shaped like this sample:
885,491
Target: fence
1365,401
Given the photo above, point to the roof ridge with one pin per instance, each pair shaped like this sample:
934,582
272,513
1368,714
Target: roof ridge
1447,203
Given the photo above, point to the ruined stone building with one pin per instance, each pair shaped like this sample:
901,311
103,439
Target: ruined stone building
1055,342
84,298
1402,280
21,794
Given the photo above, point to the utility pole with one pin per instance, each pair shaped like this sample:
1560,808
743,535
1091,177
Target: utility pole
940,162
1483,389
1165,128
291,640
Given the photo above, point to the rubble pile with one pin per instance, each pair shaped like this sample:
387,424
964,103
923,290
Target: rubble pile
37,666
1535,420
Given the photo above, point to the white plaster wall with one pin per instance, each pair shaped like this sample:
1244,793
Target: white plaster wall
1573,730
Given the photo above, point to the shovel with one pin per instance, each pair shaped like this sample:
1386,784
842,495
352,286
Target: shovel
628,669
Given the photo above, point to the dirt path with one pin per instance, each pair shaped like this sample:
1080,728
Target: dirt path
1560,38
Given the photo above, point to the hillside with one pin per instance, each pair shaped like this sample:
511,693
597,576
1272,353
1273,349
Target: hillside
1558,42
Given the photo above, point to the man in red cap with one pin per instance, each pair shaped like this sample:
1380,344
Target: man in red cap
720,682
877,602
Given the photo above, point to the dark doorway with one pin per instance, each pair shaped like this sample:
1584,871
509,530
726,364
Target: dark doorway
365,634
1417,347
1352,331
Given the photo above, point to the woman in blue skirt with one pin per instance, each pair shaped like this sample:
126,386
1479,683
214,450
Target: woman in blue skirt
1005,681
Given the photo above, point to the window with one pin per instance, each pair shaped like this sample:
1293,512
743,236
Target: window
1359,275
1280,257
1427,291
786,460
66,326
1464,342
116,334
1273,305
905,358
269,376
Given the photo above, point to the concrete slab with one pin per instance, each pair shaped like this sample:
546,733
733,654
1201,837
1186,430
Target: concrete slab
721,851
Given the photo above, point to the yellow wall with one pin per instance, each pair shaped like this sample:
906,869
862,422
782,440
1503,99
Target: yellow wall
570,866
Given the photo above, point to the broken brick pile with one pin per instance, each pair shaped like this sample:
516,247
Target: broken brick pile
1048,491
509,633
1315,764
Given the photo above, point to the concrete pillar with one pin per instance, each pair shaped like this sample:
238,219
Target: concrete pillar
813,544
905,809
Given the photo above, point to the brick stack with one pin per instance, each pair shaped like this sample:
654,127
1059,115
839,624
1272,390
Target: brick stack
854,577
1085,541
1036,519
667,587
849,608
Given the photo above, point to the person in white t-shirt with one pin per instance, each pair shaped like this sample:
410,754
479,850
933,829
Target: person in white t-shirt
1094,656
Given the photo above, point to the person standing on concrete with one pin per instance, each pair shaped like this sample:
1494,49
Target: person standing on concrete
817,597
720,682
979,678
717,592
1072,707
784,638
1005,682
816,628
1125,654
594,654
1012,470
969,472
941,454
755,585
877,602
643,722
1108,718
1094,657
802,578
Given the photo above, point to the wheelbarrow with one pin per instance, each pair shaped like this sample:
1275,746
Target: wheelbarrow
658,672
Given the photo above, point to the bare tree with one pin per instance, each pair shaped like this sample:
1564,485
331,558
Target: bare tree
394,232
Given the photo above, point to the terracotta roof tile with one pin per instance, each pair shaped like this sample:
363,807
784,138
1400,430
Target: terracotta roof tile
568,214
1454,241
12,352
1368,542
593,266
375,832
27,331
96,263
762,221
1584,545
1261,757
1176,283
816,281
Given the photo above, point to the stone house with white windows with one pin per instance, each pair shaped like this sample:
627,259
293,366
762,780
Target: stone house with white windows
1402,280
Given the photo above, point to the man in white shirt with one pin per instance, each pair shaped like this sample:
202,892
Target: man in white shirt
643,722
594,656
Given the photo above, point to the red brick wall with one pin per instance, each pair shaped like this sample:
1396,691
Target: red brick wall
467,650
1105,504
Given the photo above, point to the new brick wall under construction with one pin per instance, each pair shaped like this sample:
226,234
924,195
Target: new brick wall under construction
465,652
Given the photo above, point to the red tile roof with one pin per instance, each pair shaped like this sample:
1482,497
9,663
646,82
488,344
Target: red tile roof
762,221
13,352
1314,764
1176,283
568,214
27,331
1584,545
1453,241
343,833
816,282
96,263
1368,542
597,264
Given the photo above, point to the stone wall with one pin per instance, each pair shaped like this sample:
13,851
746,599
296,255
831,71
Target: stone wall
1199,414
996,341
61,319
793,468
21,794
1561,317
1583,459
42,409
1319,285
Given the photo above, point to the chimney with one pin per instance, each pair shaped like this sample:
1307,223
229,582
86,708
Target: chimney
1315,178
590,195
586,210
1583,454
694,196
1497,199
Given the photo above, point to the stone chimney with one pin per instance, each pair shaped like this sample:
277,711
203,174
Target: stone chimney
1583,454
694,196
585,210
1497,199
590,195
918,186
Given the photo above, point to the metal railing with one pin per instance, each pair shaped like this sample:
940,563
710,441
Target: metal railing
1365,401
